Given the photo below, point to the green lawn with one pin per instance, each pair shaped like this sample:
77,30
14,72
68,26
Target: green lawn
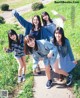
72,31
8,74
17,3
66,10
9,66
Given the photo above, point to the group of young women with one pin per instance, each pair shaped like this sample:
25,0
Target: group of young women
46,42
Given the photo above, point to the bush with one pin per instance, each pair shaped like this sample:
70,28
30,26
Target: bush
37,6
4,7
1,20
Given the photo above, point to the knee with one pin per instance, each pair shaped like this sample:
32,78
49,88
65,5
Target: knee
20,66
56,70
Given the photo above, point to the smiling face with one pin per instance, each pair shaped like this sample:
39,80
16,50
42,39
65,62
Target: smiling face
58,36
45,17
35,21
31,43
13,37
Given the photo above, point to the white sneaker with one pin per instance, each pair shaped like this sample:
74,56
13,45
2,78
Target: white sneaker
19,79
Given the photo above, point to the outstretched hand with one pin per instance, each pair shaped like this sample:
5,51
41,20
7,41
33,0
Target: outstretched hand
54,12
5,49
49,55
75,62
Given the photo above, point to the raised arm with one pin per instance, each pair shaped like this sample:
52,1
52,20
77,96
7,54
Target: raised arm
45,34
27,25
59,15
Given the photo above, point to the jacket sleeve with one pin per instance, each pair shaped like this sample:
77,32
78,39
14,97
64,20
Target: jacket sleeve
9,50
51,48
70,50
46,34
21,20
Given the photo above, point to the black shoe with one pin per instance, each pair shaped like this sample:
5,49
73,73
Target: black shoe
49,84
38,70
69,80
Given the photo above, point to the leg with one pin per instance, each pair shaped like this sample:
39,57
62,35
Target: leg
48,74
24,64
19,60
60,71
47,70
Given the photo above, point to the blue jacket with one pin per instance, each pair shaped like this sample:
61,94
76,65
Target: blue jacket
44,47
45,34
66,49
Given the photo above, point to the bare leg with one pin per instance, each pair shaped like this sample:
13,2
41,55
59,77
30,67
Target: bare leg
58,70
47,70
24,64
20,66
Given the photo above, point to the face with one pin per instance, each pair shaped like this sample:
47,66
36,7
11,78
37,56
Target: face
13,37
31,43
58,36
45,17
35,21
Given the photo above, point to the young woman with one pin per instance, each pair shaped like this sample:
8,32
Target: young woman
34,28
41,49
67,62
50,24
16,45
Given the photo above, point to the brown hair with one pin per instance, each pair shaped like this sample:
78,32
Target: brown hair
28,49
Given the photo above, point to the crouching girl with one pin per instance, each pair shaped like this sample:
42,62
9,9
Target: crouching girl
41,49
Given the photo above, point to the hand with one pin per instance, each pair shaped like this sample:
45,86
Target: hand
5,49
49,55
54,12
75,62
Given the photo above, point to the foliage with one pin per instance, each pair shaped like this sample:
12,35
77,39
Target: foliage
17,3
8,65
4,7
37,6
2,20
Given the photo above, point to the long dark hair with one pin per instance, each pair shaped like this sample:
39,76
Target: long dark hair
28,49
39,25
10,33
61,31
44,21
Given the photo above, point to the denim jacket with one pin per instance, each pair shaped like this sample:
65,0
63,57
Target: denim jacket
44,47
45,34
66,49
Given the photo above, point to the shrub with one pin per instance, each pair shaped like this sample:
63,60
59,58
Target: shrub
37,6
4,7
1,20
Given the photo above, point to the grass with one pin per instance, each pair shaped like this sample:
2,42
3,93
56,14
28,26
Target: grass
17,3
71,29
9,67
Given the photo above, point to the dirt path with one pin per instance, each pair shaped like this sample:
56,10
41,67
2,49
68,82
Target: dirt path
58,90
